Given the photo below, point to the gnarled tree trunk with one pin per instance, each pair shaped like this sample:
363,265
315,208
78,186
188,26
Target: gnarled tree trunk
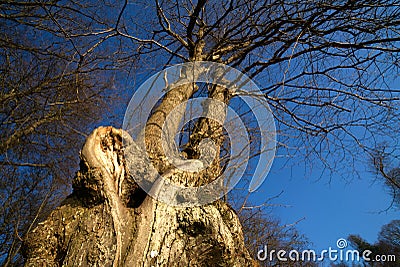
109,220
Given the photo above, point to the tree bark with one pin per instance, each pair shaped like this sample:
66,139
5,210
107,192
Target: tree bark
109,221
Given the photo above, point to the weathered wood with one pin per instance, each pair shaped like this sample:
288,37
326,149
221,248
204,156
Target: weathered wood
109,221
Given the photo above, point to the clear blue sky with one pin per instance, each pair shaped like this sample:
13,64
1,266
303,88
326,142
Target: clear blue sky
330,210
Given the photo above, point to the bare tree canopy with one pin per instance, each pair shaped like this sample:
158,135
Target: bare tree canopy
327,69
51,96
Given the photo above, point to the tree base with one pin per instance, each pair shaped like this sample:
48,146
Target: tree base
108,221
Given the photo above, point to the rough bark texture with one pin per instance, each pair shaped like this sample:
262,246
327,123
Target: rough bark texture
109,221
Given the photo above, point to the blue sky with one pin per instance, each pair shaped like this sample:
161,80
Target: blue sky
331,210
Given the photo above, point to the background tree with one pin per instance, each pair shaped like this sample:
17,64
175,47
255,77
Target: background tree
389,236
384,166
387,245
261,229
52,94
325,67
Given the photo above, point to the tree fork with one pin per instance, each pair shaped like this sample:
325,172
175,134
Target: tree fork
97,225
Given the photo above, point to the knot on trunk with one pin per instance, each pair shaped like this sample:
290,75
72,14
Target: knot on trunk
103,171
